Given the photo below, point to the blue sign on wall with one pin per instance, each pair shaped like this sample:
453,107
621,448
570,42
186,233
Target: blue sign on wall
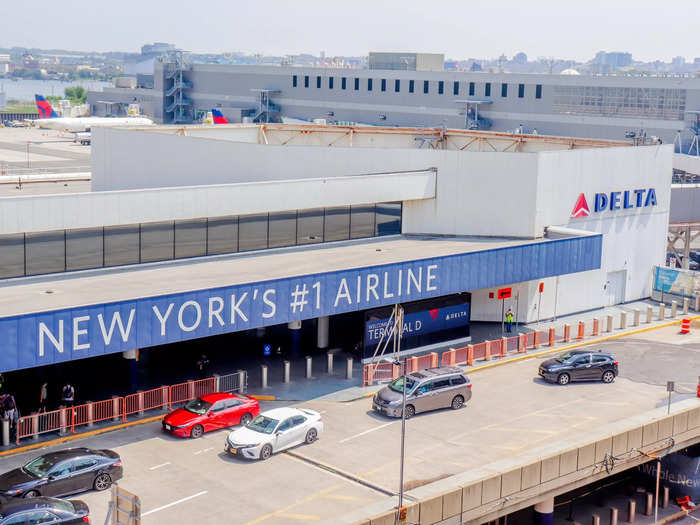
64,335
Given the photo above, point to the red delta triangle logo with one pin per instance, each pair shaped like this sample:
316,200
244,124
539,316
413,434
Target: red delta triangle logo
433,313
581,207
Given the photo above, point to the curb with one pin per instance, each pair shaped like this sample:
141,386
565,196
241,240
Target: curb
81,435
261,397
553,350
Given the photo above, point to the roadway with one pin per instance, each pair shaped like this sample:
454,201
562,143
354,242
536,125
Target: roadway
183,481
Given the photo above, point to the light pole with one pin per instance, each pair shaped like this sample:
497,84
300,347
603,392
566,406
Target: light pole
398,332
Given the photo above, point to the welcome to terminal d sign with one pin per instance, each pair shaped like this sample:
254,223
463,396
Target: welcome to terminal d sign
49,337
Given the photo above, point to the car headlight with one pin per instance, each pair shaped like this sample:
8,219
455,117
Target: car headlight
13,492
395,402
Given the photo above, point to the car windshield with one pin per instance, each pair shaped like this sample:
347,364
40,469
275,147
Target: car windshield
198,406
564,358
63,504
263,424
39,467
397,384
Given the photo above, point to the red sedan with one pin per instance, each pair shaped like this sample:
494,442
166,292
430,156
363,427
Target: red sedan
211,412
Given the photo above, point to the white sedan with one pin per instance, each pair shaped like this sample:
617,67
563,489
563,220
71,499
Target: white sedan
274,430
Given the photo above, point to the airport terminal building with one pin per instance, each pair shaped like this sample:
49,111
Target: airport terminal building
194,231
565,105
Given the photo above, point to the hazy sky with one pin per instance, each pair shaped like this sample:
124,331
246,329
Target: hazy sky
459,28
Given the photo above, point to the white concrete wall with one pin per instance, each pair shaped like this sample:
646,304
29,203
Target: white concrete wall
85,210
634,240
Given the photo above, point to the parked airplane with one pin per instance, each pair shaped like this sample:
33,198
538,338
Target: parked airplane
49,119
215,116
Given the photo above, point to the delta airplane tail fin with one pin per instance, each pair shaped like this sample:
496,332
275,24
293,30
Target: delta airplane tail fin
44,108
218,117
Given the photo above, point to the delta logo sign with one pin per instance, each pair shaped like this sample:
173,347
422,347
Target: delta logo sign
615,200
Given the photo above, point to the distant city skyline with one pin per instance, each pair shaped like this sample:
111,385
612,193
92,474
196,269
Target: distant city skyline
460,30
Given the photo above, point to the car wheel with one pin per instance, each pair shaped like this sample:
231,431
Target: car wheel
196,431
311,436
245,419
563,379
102,482
265,452
609,376
457,402
31,494
410,411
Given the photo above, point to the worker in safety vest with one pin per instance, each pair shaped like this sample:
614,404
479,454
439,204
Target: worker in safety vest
509,321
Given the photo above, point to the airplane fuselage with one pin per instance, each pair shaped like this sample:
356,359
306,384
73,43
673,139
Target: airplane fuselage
79,124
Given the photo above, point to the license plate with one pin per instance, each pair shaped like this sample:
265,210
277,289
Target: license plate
167,427
232,450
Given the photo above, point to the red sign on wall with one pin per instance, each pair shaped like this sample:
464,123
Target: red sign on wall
505,293
541,287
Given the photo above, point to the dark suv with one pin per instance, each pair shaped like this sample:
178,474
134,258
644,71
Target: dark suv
580,365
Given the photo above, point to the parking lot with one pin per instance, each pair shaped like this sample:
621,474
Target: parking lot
180,481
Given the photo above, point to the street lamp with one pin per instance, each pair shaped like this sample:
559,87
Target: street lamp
398,332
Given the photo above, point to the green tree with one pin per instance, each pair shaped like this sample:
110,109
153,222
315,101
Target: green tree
76,94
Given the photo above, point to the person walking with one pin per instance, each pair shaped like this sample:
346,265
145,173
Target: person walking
68,395
43,397
509,321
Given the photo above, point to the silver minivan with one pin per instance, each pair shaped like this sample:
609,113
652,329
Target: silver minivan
427,389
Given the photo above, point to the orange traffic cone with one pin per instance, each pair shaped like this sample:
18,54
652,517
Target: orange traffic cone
685,326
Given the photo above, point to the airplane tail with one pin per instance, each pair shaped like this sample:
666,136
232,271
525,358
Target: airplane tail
218,117
44,108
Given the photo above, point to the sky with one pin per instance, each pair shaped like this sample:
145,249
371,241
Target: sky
460,29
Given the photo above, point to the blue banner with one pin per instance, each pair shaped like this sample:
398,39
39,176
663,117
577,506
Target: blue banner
419,323
55,336
683,283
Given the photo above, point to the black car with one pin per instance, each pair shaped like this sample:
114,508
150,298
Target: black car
63,472
44,510
580,365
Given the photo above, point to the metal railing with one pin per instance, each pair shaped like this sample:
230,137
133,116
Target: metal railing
116,409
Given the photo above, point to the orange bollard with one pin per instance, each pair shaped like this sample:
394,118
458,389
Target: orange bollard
452,356
596,326
522,343
470,355
551,337
504,347
581,328
567,333
434,359
487,350
685,326
536,339
412,364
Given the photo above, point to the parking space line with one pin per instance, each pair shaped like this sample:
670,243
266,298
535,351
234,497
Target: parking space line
204,450
158,466
174,503
366,432
292,505
339,496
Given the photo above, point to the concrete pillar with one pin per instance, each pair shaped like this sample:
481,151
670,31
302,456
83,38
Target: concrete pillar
664,501
470,355
623,320
522,344
596,326
217,382
309,365
487,351
544,512
5,432
190,389
141,403
263,374
329,366
165,397
635,322
322,331
116,405
650,314
697,303
631,511
63,421
674,309
595,519
649,506
567,333
686,305
662,311
287,372
90,413
35,425
504,347
551,338
295,337
348,368
242,381
613,516
609,324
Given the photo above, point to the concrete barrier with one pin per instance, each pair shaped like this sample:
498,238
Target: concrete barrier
507,485
596,326
567,333
686,305
674,309
287,377
635,322
631,511
581,330
623,320
662,311
470,355
329,364
609,324
650,314
263,376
